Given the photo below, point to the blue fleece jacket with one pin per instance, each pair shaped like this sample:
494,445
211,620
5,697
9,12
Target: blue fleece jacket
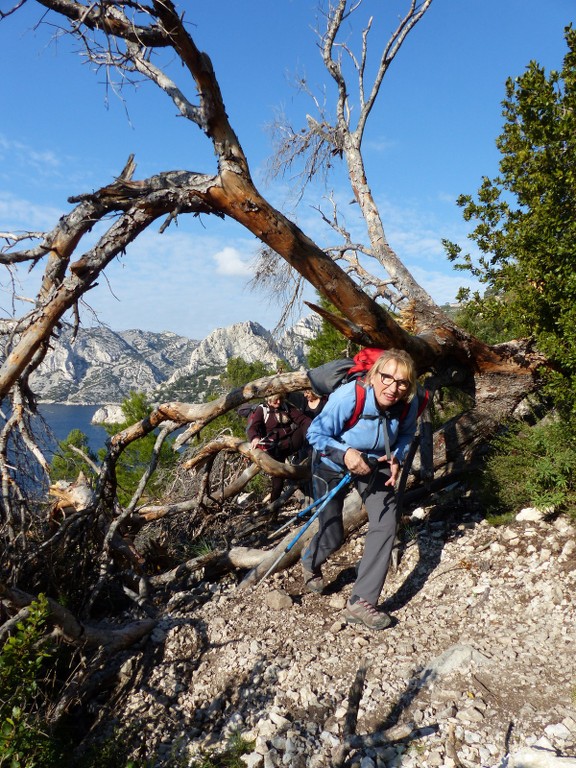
328,436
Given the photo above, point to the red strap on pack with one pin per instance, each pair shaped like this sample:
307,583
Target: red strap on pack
423,396
360,392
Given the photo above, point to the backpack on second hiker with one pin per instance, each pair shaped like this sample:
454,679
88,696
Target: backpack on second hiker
328,377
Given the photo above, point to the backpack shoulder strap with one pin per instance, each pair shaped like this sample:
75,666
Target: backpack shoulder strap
423,396
360,392
265,413
423,402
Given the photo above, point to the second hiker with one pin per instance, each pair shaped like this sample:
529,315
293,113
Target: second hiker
279,428
372,450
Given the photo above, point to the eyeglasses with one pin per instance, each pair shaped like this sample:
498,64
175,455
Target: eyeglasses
403,385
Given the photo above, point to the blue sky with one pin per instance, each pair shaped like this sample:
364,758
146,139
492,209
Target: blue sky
64,131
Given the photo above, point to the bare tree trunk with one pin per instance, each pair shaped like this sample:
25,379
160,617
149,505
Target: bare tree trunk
74,631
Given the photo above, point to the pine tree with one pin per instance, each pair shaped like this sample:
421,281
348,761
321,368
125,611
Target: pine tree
526,223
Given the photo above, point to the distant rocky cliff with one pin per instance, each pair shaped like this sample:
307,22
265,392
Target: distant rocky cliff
103,366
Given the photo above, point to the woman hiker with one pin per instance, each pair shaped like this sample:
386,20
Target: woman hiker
314,403
279,428
372,450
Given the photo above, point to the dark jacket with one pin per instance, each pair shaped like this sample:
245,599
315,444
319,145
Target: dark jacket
313,412
277,425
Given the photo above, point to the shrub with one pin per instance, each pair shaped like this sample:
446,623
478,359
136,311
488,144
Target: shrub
231,757
67,464
112,752
531,466
24,742
136,457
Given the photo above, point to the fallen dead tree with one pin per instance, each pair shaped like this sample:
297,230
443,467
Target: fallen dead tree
80,633
394,311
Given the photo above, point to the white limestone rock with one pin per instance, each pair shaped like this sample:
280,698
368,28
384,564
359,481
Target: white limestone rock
108,414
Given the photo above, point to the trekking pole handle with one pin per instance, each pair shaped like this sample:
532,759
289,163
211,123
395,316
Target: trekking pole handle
372,461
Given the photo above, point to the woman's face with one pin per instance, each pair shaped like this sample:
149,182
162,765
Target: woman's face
274,402
391,384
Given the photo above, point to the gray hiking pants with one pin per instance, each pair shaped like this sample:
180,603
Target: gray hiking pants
380,505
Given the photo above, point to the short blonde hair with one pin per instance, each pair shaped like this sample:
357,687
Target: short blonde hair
404,362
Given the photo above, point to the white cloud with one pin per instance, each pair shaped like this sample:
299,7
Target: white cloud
19,214
27,155
229,262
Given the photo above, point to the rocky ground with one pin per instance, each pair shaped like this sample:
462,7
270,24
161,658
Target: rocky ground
478,668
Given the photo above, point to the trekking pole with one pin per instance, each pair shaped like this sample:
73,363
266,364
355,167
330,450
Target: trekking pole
372,463
300,514
323,501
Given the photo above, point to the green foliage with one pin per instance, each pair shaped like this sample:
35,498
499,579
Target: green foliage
500,519
135,459
23,740
202,546
525,223
27,665
230,757
238,373
112,752
190,388
259,485
329,344
531,466
408,531
67,464
485,319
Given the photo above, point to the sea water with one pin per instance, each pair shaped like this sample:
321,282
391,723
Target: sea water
62,419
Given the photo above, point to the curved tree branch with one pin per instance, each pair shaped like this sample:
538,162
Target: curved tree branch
262,459
77,632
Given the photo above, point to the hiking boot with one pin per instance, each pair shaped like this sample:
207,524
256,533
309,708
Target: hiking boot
362,612
313,580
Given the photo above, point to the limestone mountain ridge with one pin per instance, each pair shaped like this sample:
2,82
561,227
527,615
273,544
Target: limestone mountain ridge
102,366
